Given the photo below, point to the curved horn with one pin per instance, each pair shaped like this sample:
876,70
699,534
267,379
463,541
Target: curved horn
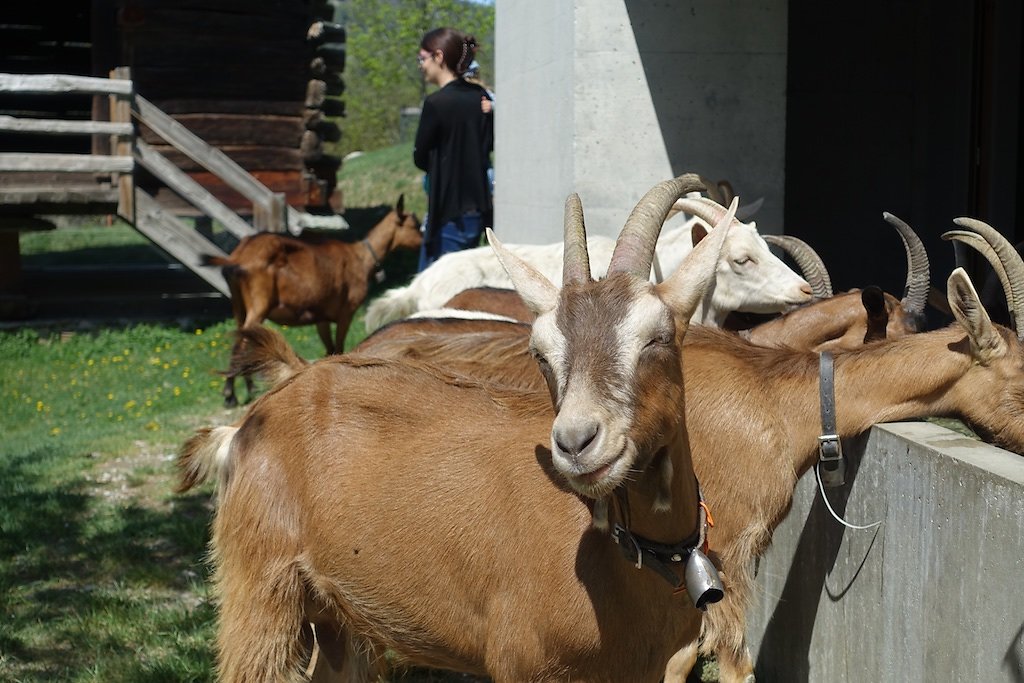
1012,262
575,258
634,250
978,243
810,264
915,293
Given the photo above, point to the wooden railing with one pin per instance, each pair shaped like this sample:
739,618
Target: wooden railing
269,208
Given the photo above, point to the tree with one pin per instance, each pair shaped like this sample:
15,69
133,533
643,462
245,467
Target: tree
381,74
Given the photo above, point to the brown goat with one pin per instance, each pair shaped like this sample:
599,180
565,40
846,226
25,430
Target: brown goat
851,318
399,507
294,282
761,406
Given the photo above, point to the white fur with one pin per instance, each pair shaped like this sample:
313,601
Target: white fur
749,277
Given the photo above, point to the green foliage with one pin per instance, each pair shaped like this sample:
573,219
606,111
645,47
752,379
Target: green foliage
381,74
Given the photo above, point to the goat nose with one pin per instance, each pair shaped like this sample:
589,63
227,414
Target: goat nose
574,436
806,289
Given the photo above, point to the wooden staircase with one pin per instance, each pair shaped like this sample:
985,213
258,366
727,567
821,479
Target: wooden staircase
60,183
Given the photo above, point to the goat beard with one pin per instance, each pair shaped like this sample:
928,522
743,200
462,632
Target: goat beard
661,465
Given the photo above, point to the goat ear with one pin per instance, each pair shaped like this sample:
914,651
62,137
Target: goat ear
697,233
986,342
400,204
685,288
536,291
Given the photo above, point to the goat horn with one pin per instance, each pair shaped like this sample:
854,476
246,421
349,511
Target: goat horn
575,258
808,260
708,210
714,190
978,243
1012,262
634,250
915,293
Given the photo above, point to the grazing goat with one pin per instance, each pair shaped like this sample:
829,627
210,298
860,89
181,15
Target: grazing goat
398,507
293,282
761,405
749,276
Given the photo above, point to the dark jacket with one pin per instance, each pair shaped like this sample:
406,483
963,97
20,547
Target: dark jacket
453,145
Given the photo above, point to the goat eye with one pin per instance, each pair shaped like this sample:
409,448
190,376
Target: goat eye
541,360
661,339
742,261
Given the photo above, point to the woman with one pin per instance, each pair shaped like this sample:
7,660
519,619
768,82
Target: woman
453,145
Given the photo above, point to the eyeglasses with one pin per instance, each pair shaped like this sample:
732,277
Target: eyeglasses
422,58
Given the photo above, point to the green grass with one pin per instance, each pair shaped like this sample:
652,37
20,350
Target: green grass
102,570
379,177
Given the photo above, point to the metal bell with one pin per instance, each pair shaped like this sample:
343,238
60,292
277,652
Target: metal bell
702,580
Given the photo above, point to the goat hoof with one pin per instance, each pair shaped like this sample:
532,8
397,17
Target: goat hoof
231,402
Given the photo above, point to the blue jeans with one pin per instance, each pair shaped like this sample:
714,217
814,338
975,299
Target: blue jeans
462,233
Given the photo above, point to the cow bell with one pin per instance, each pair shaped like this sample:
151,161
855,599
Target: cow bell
702,580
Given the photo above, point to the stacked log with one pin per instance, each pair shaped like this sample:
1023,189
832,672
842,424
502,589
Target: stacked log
322,105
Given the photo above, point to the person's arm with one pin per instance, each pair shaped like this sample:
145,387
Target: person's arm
426,136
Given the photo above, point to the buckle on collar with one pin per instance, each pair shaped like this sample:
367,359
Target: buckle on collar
629,545
830,448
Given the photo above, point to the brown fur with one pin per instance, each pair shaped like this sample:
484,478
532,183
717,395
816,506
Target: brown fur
759,407
295,282
843,321
506,302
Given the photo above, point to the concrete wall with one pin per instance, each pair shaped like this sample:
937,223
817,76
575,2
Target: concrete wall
936,593
607,98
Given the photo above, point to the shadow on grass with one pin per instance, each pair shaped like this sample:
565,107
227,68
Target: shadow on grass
87,587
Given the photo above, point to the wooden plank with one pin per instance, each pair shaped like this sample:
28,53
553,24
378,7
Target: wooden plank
216,21
178,239
190,190
189,82
219,105
65,163
226,51
288,182
62,83
250,157
208,157
12,124
121,112
225,130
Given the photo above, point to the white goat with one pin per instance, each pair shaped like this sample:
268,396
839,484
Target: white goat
749,277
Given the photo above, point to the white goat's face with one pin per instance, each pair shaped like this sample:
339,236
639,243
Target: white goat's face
750,278
610,355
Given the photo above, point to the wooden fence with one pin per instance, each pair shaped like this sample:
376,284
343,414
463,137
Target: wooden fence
129,152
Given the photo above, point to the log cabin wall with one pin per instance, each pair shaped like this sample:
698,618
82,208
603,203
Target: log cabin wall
258,80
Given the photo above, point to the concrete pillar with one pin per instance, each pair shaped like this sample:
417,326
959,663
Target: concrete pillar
606,98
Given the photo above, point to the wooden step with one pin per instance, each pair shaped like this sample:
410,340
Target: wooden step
176,237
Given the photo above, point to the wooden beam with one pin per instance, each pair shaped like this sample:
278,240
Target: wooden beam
190,190
65,163
208,157
13,124
62,83
221,130
178,239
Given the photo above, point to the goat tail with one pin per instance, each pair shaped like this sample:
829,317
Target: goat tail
265,353
214,260
204,455
393,304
